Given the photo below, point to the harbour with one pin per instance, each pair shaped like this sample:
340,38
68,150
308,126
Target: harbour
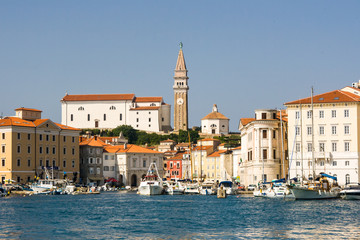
127,215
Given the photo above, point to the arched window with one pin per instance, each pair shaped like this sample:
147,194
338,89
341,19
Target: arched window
347,178
112,108
213,125
81,108
152,105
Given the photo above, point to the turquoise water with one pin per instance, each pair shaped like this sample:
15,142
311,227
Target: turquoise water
131,216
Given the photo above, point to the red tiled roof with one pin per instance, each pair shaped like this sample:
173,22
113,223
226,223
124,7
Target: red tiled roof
99,97
208,139
15,121
168,140
245,121
216,153
178,156
93,142
130,148
200,148
146,108
28,109
148,99
215,115
329,97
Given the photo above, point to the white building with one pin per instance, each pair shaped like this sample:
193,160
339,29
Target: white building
261,148
215,123
335,145
107,111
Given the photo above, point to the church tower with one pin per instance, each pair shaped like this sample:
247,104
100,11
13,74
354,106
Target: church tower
181,89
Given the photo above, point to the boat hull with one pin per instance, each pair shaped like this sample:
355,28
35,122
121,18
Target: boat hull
150,190
309,194
350,194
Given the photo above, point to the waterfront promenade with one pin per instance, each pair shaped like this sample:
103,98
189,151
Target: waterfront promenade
121,215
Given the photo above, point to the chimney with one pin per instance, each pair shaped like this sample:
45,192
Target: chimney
125,145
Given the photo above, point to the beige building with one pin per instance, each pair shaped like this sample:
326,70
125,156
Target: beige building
181,89
331,143
30,146
263,157
215,123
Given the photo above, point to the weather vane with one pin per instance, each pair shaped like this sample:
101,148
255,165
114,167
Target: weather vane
181,45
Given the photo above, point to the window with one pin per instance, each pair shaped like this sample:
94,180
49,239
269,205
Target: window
346,129
98,160
334,163
333,130
149,119
112,108
47,163
274,134
333,113
40,149
309,147
334,146
321,147
322,163
309,114
88,117
73,151
274,154
120,116
64,138
264,133
19,136
321,130
91,170
178,165
3,135
297,115
47,137
263,115
171,165
73,163
104,117
112,168
19,149
162,119
347,178
3,148
347,163
106,157
81,109
29,136
47,150
54,138
309,130
250,155
134,162
298,164
3,162
106,168
64,163
144,163
64,150
90,160
297,131
297,147
347,146
40,137
137,119
28,149
321,114
264,155
53,163
346,113
29,162
97,170
71,117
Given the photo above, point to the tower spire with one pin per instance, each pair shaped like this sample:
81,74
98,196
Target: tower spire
180,64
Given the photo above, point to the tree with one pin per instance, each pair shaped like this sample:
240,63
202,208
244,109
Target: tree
128,131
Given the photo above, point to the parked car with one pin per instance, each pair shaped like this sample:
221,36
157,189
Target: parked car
251,187
241,187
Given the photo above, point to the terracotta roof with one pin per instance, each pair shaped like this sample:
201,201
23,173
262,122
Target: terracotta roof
200,148
93,142
208,139
148,99
130,148
168,140
99,97
237,148
146,108
15,121
245,121
329,97
28,109
178,156
182,144
215,115
216,153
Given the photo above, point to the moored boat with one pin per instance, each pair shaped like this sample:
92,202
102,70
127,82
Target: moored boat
351,192
228,186
151,184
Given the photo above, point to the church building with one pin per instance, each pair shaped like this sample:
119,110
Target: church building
215,123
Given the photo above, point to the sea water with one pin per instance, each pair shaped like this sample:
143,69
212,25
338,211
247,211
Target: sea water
121,215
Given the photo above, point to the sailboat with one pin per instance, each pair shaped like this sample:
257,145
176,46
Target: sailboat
320,187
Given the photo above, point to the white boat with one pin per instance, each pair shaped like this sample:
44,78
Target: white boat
351,192
44,186
207,188
151,184
192,188
228,186
316,190
174,188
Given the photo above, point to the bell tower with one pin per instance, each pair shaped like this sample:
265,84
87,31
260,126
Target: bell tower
181,89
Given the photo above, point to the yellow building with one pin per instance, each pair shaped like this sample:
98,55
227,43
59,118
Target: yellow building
30,146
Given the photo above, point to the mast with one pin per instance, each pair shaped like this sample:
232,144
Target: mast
200,161
282,144
191,166
312,132
301,147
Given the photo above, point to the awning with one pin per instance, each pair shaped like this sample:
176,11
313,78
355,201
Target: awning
96,178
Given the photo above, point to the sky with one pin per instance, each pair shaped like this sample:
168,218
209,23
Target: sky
240,55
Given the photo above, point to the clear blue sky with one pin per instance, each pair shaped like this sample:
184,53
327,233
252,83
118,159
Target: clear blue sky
241,55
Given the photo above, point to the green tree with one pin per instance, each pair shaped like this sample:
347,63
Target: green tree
128,131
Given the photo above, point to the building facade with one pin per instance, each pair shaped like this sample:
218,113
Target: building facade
181,89
32,146
108,111
263,148
215,123
325,135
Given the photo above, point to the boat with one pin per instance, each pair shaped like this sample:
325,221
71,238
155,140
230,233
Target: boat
192,188
207,188
151,184
351,192
321,189
174,188
45,186
228,186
